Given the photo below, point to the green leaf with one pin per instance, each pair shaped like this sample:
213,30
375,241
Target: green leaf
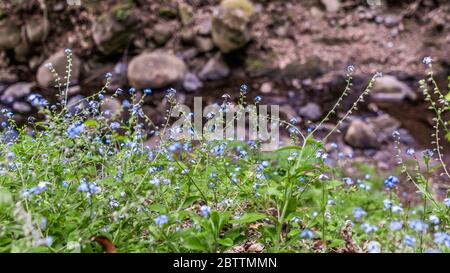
291,206
194,243
190,200
225,242
91,123
233,234
249,218
5,198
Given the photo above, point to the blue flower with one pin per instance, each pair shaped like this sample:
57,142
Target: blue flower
428,152
395,225
205,211
258,99
171,92
373,247
75,129
161,220
391,182
243,88
307,233
418,225
350,69
447,202
368,228
434,219
147,91
410,151
442,238
347,180
387,204
114,125
409,240
83,187
397,209
108,75
358,213
427,60
132,90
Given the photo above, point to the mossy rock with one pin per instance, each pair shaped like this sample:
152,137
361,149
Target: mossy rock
231,25
112,31
244,5
10,34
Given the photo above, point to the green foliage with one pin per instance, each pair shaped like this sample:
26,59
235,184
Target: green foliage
76,176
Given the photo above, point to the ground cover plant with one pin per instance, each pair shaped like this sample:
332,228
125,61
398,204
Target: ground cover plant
83,180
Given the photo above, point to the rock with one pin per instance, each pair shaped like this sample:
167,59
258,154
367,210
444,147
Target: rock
231,24
21,107
8,77
384,126
163,31
391,21
288,112
311,68
111,34
22,50
59,62
390,89
361,135
215,69
186,13
156,69
204,28
187,36
191,82
257,247
37,29
76,104
74,90
16,91
111,106
311,111
204,44
332,6
266,87
259,65
10,34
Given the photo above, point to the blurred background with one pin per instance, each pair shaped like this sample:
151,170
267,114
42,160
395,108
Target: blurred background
291,53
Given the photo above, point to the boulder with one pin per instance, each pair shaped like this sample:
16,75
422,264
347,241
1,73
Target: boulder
21,107
311,111
361,135
186,13
16,91
111,106
215,69
204,44
332,6
231,24
59,62
384,126
163,31
37,29
112,33
191,82
10,34
155,70
390,89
